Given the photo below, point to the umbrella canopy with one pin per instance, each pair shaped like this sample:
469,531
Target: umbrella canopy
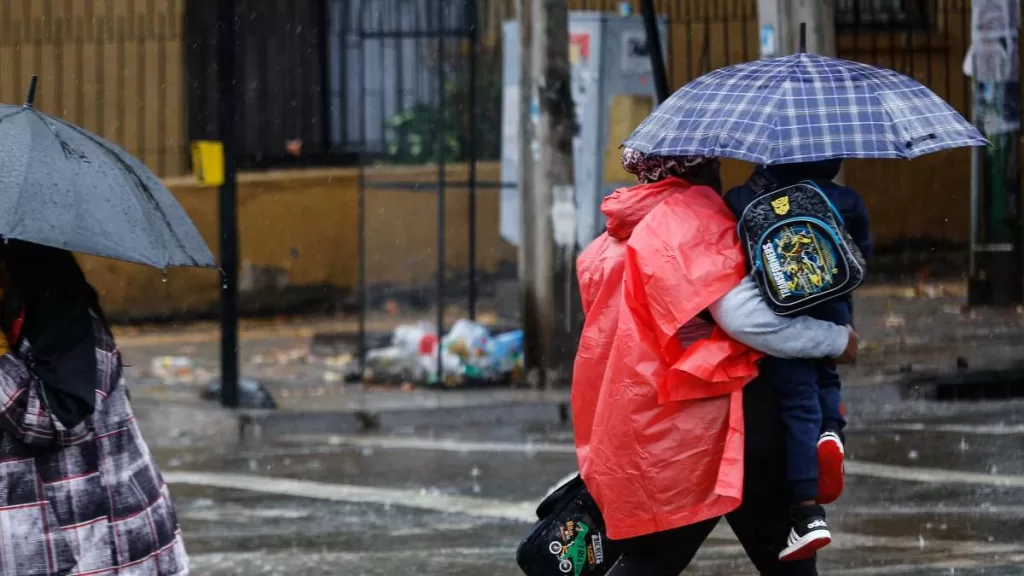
64,187
803,108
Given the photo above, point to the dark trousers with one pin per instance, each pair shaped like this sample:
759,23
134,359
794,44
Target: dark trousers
795,385
761,523
809,396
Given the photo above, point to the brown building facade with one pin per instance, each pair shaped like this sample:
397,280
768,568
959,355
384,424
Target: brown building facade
136,72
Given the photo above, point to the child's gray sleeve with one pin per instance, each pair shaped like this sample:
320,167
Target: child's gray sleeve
744,315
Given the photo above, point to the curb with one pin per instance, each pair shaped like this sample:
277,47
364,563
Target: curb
255,425
259,424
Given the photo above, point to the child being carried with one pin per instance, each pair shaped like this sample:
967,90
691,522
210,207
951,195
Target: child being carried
807,239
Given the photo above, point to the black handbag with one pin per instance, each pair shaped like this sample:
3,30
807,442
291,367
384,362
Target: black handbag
569,538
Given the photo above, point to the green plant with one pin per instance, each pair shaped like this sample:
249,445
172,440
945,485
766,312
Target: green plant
413,136
413,133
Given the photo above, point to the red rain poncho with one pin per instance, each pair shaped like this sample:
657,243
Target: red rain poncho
659,429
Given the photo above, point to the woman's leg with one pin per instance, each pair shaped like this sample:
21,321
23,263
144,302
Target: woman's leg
762,522
662,553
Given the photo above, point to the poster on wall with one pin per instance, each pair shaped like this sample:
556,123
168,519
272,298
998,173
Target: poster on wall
510,127
581,80
993,24
635,58
994,64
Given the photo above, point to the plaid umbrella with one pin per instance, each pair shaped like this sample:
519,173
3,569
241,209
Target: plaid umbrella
803,108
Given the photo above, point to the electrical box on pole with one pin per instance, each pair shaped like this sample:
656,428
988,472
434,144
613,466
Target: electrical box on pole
613,90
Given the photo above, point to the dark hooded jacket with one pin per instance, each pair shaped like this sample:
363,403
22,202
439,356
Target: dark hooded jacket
48,291
849,203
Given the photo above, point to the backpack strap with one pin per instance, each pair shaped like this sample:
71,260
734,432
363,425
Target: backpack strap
761,183
835,211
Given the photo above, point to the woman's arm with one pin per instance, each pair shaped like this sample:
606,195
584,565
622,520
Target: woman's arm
743,314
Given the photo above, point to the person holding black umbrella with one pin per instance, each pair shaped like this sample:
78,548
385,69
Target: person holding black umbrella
84,494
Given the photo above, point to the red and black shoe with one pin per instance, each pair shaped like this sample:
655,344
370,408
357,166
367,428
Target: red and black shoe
831,474
808,534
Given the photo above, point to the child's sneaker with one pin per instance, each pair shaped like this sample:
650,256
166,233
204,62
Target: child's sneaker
830,466
808,535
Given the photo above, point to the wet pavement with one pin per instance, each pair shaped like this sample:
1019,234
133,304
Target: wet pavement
448,482
933,489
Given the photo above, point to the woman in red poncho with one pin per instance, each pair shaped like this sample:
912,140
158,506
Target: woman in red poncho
672,334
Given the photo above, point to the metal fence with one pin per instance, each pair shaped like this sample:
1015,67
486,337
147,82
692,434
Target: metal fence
924,39
414,70
287,61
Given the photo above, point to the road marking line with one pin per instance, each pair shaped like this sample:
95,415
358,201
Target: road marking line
942,567
423,500
517,511
439,444
853,467
931,475
988,430
988,511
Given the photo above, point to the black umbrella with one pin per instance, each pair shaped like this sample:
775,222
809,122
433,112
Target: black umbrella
65,187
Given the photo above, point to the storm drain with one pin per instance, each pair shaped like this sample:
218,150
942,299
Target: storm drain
973,385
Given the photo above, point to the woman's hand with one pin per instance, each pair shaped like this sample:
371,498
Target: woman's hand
849,355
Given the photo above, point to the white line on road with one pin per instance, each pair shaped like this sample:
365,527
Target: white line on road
853,467
517,511
439,444
950,566
983,429
931,475
420,499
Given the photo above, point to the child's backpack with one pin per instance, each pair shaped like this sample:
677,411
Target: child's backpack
800,251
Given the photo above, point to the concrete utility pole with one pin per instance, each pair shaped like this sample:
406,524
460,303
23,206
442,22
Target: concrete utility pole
819,16
780,26
546,126
781,21
554,189
534,277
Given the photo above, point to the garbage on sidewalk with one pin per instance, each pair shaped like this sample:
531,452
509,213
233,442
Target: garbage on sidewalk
469,354
178,370
251,394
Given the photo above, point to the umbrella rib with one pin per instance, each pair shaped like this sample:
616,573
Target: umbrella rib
12,114
142,186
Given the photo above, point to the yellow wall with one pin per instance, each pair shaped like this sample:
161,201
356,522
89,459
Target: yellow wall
312,215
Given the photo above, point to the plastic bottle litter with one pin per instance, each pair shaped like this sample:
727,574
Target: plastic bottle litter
468,351
393,364
415,337
467,340
505,352
452,366
173,368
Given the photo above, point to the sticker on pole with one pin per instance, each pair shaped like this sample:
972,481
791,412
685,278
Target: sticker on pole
768,48
635,57
563,215
208,162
